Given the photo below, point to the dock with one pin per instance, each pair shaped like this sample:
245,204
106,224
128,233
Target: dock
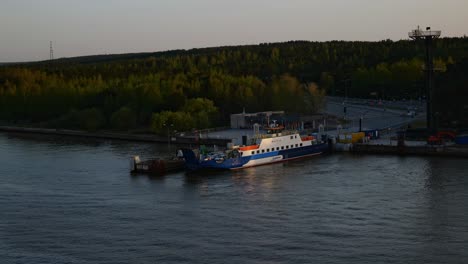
180,140
156,166
415,150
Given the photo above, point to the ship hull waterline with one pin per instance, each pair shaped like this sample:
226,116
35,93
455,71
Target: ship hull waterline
194,164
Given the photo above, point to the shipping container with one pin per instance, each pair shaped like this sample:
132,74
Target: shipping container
462,139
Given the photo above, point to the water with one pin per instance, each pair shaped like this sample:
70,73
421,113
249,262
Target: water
65,200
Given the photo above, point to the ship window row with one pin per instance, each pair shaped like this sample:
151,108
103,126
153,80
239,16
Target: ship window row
277,148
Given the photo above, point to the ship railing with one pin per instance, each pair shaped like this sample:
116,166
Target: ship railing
283,133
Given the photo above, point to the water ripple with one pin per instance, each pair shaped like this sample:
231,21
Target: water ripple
73,201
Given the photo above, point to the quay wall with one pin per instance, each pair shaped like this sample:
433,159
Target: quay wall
428,150
118,136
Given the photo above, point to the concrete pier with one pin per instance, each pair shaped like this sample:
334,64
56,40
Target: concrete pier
119,136
421,150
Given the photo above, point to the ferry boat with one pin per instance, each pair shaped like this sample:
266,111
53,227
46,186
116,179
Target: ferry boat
277,145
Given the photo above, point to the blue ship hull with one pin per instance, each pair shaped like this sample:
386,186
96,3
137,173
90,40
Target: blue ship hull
194,163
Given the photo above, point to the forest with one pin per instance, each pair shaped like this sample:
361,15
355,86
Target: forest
200,88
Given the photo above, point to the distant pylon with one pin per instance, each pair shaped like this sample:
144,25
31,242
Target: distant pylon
51,52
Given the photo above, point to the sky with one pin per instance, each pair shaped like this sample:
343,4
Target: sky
90,27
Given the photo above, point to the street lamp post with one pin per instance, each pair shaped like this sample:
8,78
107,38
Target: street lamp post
168,135
346,86
361,118
360,124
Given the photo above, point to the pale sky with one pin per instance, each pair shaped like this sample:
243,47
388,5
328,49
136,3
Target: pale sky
89,27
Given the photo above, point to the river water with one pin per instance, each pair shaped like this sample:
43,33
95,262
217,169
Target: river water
68,200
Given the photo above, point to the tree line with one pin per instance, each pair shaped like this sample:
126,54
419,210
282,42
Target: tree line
201,87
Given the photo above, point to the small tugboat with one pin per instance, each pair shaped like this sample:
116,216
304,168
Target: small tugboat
156,166
277,145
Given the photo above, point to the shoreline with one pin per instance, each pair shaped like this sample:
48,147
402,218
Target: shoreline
116,136
382,149
426,150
